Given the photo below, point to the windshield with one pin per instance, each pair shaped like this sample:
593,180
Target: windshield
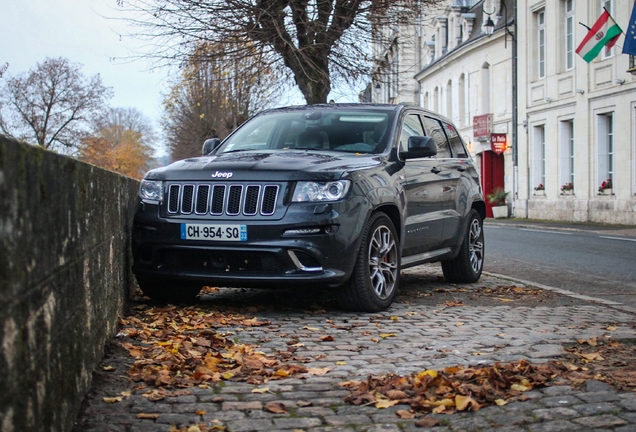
345,130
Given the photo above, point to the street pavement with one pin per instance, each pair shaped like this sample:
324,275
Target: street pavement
425,333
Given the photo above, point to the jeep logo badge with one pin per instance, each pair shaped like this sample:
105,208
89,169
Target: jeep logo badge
225,175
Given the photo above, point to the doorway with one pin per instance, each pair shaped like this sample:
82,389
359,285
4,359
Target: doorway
492,175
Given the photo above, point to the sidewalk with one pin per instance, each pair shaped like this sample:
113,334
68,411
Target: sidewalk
431,325
605,229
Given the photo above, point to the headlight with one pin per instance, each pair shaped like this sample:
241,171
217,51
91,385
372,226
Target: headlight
310,191
151,191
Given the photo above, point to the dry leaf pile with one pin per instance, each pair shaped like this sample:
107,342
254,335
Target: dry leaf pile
607,360
180,347
452,389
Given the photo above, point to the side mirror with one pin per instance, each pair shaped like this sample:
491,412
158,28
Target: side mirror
419,147
210,145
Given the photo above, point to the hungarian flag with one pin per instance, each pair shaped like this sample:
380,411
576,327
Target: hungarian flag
603,33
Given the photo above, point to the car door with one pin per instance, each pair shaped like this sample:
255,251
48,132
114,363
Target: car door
454,167
423,221
447,177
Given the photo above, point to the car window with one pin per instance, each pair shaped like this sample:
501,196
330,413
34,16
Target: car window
435,130
412,127
456,144
351,131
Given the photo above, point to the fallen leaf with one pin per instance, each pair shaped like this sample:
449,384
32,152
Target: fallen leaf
427,422
276,408
611,328
383,403
302,403
310,328
396,394
200,412
459,324
341,363
147,416
111,400
505,300
327,338
593,356
108,368
405,414
154,395
500,402
518,387
260,390
318,371
464,402
386,335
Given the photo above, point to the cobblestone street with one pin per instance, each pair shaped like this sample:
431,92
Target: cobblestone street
431,325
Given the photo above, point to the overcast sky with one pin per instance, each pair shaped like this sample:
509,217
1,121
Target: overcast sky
95,34
33,30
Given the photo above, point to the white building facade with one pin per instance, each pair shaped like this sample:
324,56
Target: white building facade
575,128
577,120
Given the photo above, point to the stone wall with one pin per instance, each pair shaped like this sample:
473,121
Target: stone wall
64,280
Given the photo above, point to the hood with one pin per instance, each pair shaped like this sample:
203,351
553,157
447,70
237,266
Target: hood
268,166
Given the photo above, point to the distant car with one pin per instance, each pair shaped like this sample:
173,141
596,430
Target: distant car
337,195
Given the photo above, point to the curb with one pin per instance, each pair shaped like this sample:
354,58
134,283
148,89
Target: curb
614,305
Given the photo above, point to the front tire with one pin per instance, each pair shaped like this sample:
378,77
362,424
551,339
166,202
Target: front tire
169,291
375,278
468,265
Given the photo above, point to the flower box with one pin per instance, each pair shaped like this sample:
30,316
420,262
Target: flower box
608,191
567,192
500,212
540,192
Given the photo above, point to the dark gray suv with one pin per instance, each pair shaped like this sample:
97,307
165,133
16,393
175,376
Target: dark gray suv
338,195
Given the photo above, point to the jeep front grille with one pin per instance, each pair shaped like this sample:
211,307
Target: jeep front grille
222,199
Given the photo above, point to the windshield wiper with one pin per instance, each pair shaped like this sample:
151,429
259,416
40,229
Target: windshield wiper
240,150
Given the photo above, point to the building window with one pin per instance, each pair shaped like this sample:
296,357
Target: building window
540,16
538,156
609,5
436,100
569,34
461,90
605,123
449,100
485,89
566,145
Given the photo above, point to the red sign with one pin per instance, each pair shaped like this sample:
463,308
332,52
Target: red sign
482,125
498,142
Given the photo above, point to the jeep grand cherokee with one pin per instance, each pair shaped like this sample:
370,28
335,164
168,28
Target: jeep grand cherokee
338,195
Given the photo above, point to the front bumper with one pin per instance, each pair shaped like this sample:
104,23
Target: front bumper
270,257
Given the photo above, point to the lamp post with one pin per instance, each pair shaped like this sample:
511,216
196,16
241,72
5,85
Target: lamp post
489,27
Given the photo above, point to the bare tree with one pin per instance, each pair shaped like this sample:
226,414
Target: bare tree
212,97
316,41
51,105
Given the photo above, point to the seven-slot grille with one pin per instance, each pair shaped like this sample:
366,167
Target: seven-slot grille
222,199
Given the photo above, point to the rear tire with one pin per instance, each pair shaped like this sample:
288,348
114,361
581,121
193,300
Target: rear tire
375,278
468,265
169,291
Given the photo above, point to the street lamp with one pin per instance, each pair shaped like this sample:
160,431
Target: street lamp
489,26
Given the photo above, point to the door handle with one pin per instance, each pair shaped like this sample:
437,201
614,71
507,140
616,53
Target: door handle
436,170
461,168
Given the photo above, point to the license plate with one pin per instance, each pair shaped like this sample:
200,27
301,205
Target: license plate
214,232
